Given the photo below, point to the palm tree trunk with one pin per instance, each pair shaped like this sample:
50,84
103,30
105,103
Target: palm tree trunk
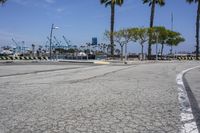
151,25
152,13
122,51
112,27
142,51
197,31
162,48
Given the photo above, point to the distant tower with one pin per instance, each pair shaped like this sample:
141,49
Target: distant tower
172,21
33,50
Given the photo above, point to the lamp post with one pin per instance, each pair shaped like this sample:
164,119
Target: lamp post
51,34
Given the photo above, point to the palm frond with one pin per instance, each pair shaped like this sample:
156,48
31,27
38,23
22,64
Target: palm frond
2,1
109,2
119,2
103,1
191,1
160,2
146,1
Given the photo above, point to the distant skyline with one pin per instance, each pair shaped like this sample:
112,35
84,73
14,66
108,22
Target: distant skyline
30,20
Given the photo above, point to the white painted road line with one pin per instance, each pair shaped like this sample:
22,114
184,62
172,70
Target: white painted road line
187,119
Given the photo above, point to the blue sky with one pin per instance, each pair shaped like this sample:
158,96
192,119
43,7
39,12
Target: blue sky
80,20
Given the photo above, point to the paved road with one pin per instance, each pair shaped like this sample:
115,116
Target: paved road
92,99
192,81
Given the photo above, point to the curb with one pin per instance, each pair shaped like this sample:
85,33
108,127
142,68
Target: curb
188,123
187,58
101,62
77,61
87,61
4,58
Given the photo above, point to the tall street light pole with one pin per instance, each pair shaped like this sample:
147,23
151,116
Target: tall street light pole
51,34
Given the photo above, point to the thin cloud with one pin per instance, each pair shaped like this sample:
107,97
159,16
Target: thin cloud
50,1
60,10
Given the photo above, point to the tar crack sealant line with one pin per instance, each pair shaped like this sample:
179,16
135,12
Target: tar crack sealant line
188,123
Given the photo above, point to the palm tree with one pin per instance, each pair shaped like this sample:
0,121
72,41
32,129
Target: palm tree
152,3
197,26
112,4
2,1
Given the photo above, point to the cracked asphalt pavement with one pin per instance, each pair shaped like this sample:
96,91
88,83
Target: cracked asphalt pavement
90,99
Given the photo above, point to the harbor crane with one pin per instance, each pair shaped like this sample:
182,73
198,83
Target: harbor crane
53,43
57,42
60,45
18,48
67,42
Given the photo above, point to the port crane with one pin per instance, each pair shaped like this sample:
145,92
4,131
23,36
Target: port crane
58,44
67,42
18,48
53,43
